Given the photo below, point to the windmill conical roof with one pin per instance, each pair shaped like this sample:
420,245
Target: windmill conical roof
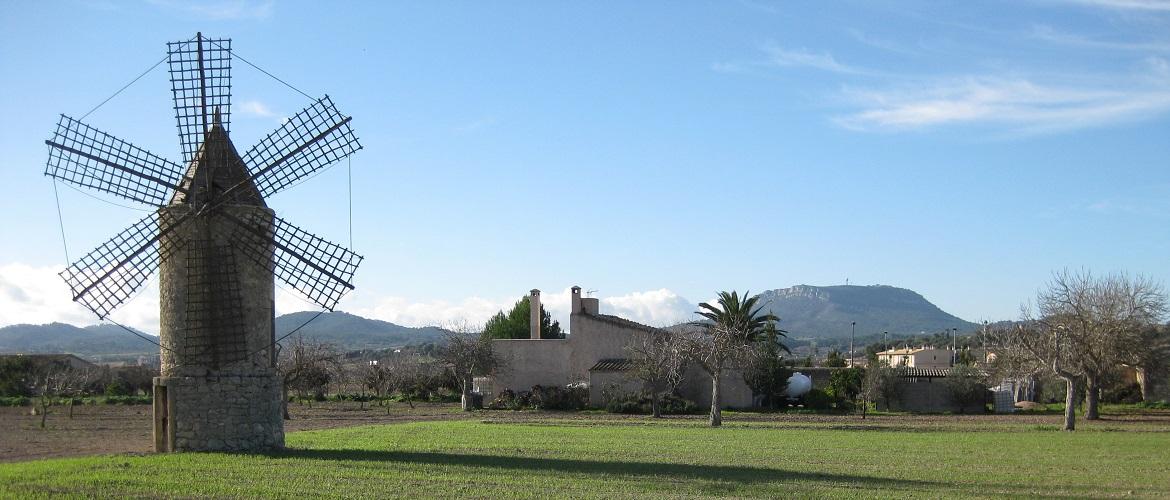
215,169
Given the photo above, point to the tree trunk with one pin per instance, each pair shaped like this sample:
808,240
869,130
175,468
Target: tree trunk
70,408
716,419
44,411
1092,395
1143,381
284,401
655,404
1070,403
465,399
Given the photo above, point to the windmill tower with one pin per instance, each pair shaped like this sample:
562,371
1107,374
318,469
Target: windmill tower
217,247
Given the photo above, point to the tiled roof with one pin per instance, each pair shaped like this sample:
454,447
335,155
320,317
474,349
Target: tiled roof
912,372
613,365
623,322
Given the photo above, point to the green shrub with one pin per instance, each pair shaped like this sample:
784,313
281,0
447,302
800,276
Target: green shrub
15,401
558,398
637,404
817,399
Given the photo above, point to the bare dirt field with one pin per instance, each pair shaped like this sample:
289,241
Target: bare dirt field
101,429
106,429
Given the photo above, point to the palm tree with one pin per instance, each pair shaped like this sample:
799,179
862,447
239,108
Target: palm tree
729,332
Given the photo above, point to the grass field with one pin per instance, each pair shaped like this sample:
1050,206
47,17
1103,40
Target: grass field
569,457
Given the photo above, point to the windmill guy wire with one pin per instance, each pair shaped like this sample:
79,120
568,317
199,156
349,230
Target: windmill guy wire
139,77
270,75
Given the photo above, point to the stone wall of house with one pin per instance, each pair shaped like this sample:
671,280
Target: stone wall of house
596,337
618,382
923,395
527,362
228,410
733,391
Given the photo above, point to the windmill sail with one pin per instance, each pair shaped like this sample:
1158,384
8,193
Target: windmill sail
313,139
87,157
320,270
109,275
201,83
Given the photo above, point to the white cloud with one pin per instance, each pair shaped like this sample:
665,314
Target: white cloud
654,307
256,108
222,10
37,295
660,307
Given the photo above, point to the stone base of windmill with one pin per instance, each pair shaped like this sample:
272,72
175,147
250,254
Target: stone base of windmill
219,411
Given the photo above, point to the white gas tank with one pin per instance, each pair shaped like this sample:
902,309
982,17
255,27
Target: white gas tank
798,385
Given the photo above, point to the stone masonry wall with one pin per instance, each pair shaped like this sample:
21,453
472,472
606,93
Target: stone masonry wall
224,411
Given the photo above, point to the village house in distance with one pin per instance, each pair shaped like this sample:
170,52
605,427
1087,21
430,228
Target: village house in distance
594,354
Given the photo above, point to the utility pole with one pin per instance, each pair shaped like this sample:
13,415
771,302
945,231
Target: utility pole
852,334
954,346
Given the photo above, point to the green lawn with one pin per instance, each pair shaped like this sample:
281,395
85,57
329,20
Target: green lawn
541,459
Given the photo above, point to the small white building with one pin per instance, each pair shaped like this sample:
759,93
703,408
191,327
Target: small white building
917,357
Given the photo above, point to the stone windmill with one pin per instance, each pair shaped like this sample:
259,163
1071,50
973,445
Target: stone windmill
216,245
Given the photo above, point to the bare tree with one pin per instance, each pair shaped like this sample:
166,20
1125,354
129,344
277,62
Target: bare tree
467,353
376,378
307,366
1101,319
1086,327
1153,361
1047,344
658,361
53,379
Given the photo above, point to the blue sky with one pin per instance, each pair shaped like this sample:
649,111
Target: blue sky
656,152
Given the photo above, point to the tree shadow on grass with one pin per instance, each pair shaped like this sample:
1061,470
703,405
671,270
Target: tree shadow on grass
730,473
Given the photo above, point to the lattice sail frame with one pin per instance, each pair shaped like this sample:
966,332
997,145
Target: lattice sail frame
320,270
106,277
201,84
200,70
87,157
285,157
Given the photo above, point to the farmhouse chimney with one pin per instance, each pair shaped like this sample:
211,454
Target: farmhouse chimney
576,300
534,314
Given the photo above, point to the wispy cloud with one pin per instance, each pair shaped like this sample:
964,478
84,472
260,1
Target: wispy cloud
1049,34
257,109
802,57
776,56
1148,5
879,43
475,125
222,10
1022,105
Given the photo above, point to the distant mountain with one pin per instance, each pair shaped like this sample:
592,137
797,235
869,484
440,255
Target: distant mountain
60,337
827,311
348,331
352,332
